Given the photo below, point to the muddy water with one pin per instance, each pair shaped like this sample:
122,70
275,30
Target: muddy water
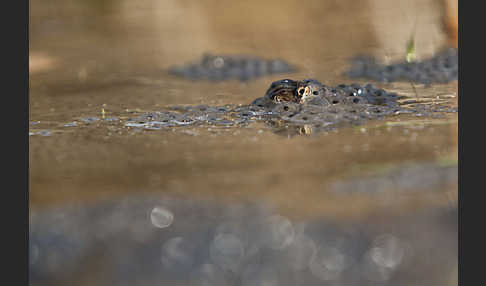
395,177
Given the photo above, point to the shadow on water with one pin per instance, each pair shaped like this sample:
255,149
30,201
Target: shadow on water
131,183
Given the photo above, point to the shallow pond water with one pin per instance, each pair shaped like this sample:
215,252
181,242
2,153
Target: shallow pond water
252,204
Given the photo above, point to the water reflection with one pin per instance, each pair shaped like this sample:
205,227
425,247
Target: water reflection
232,244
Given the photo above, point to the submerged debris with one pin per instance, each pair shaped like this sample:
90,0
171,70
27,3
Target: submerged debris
226,67
441,68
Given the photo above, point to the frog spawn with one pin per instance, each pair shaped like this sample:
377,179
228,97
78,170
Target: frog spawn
229,67
443,67
306,106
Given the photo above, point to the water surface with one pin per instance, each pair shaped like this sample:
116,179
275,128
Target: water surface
387,188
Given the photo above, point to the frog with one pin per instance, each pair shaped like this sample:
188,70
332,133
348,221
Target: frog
313,92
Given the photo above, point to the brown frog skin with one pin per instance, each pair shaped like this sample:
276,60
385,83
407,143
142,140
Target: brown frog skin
287,90
283,91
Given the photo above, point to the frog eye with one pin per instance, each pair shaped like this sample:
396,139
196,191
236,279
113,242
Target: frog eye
315,92
301,91
307,90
